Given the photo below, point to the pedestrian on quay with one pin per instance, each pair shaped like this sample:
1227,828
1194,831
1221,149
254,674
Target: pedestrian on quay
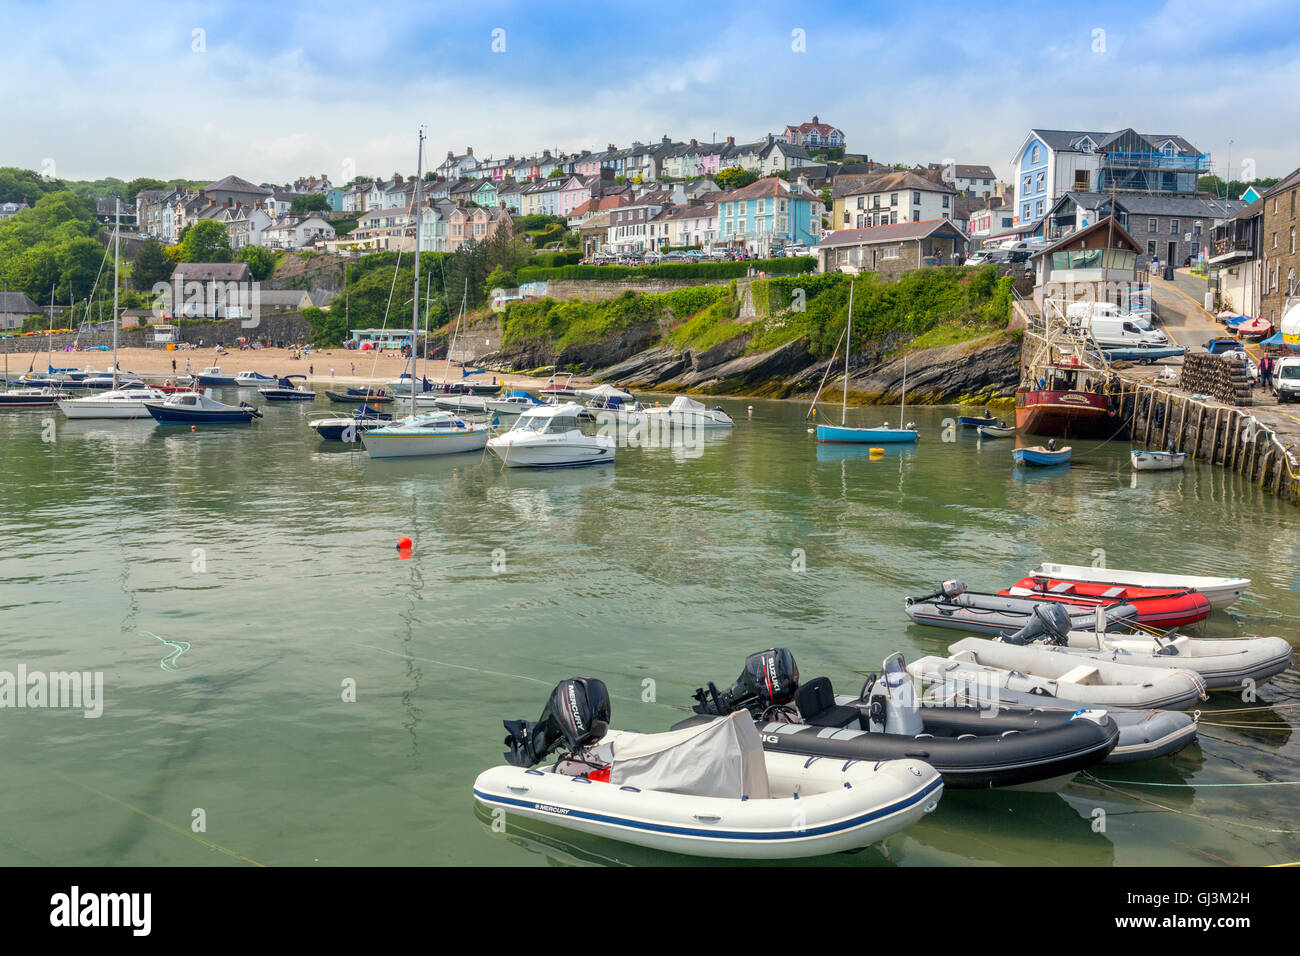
173,366
1266,372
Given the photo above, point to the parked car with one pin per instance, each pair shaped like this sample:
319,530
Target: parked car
1222,345
1286,380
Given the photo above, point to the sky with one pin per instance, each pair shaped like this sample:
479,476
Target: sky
271,92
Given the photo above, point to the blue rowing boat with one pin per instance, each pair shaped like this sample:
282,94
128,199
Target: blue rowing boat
1038,455
967,421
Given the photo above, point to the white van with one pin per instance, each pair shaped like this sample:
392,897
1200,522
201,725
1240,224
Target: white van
1286,379
1124,330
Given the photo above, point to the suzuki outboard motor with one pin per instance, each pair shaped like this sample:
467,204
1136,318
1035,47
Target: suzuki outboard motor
770,677
894,708
1049,624
949,589
576,716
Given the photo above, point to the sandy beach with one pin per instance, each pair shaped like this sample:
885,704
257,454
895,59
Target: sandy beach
342,366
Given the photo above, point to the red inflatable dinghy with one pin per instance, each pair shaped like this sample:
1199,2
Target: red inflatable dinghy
1157,607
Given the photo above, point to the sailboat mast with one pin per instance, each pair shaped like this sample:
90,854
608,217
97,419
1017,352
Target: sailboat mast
117,250
848,347
415,291
903,405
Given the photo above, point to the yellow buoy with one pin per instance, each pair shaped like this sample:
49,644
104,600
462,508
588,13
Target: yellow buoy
875,453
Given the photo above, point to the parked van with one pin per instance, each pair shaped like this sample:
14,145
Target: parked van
1286,379
1123,330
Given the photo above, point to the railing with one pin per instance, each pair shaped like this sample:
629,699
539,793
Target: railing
1135,160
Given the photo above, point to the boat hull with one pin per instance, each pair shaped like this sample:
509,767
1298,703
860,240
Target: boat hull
1064,414
420,443
539,453
1156,607
844,435
1157,460
80,408
1031,456
172,415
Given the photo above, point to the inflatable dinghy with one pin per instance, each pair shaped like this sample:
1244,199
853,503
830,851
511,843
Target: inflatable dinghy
1156,607
1143,734
1221,592
955,607
1037,749
1222,664
1057,672
706,790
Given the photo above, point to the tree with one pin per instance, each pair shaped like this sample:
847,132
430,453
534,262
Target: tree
150,266
261,262
311,202
24,185
205,241
557,173
328,329
499,278
733,177
134,187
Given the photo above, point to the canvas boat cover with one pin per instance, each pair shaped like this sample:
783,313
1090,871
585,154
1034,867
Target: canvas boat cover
605,392
684,403
720,758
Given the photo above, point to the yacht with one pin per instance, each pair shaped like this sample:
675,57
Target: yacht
429,433
125,402
549,437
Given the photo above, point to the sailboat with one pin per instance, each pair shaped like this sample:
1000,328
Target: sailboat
117,402
430,433
843,433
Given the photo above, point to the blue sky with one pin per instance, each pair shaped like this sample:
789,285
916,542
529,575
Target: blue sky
272,91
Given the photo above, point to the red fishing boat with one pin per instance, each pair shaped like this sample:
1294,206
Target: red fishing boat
1157,607
1254,328
1061,403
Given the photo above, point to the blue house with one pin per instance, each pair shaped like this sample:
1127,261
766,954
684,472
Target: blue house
769,214
335,198
1052,162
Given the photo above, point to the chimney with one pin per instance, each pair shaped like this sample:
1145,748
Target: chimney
815,120
769,137
450,154
731,141
469,150
694,143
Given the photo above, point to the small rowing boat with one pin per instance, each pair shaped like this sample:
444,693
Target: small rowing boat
1221,592
1038,455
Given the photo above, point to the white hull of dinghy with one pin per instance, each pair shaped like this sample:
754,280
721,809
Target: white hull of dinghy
824,807
1220,592
1222,664
1058,672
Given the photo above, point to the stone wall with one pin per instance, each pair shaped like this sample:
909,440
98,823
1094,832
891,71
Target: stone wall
275,328
594,289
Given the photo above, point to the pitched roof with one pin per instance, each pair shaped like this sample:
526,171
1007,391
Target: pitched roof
1143,204
770,186
892,233
1112,230
17,303
236,185
889,181
213,271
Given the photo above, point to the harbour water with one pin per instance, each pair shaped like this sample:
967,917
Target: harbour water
233,584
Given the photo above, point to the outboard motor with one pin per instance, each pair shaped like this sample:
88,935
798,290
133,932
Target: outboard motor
1049,623
770,678
893,707
949,589
576,716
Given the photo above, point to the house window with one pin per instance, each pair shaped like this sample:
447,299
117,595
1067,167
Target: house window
1042,180
1173,227
1039,208
1151,248
1080,180
846,217
1196,230
1028,183
1293,240
875,202
893,199
862,202
889,252
916,199
1151,225
1035,154
945,202
916,217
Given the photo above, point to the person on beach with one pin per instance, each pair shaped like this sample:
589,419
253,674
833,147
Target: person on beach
173,366
1266,372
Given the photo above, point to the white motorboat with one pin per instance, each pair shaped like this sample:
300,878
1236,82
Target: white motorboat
1045,670
1221,592
115,403
516,403
247,379
283,390
1157,460
609,404
705,790
212,377
997,431
429,433
688,412
549,437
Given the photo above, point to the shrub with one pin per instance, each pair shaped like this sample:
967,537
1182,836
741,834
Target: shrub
672,270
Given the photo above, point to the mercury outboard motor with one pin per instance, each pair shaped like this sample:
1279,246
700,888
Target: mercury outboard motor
770,678
949,589
893,707
576,716
1049,623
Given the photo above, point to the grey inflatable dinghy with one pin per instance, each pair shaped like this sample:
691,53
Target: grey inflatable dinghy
954,607
1223,664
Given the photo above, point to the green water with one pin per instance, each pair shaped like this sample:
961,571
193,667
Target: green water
669,567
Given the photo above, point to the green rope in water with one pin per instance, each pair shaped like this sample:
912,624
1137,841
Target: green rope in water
168,662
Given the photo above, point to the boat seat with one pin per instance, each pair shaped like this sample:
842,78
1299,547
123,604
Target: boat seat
1083,674
816,703
1065,587
1113,592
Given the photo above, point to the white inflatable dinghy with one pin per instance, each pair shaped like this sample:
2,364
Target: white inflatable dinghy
1056,672
1223,664
1221,592
705,790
